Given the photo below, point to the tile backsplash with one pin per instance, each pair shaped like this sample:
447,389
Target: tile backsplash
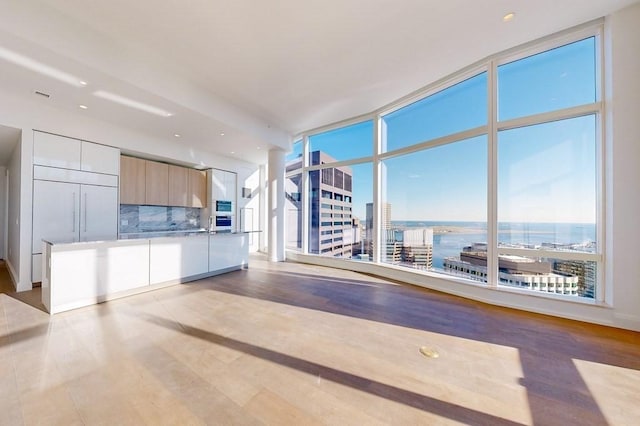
134,218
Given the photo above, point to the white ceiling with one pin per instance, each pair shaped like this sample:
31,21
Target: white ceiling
258,70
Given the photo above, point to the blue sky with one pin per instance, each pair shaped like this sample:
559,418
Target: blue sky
546,173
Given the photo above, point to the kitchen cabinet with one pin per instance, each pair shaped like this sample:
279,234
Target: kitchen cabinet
145,182
56,212
99,158
197,188
71,212
178,186
69,153
79,275
75,192
132,180
99,213
156,183
223,185
223,200
228,252
56,151
176,259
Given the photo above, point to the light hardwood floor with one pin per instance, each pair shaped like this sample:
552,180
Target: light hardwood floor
297,344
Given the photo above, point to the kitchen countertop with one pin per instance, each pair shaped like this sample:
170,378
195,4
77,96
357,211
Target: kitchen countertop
153,235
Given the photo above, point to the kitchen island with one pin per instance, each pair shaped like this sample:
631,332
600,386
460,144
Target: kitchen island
77,274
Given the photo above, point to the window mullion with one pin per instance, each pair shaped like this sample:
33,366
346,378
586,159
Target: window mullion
492,178
305,195
378,142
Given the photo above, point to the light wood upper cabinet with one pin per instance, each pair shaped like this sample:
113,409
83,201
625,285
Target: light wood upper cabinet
178,186
197,188
157,184
145,182
132,180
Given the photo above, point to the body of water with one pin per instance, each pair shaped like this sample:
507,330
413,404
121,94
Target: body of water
532,235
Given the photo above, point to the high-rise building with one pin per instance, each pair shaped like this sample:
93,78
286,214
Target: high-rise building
330,207
332,229
385,224
409,247
585,271
293,211
514,271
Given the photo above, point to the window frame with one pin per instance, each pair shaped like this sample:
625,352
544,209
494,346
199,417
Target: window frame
491,129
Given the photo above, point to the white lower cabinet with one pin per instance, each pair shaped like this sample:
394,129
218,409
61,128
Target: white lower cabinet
228,251
87,273
174,259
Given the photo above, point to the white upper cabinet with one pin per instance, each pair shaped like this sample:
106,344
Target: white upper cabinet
100,158
68,153
223,185
56,151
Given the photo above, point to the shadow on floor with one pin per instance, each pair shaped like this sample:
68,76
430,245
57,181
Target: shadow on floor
32,297
382,390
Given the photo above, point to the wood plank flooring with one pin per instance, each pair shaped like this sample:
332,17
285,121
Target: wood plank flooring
292,344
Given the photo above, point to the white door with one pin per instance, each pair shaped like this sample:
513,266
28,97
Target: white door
99,213
56,212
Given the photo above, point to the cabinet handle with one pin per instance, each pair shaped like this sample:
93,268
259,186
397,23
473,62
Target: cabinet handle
86,196
74,212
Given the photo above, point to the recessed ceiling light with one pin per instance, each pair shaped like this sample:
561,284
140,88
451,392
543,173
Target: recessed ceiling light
131,103
221,133
233,152
177,135
508,17
83,83
83,106
258,147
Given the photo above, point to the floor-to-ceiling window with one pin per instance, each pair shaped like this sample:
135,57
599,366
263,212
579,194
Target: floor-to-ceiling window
433,180
547,170
340,186
493,176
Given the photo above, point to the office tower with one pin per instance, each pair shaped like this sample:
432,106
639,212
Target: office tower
385,224
330,208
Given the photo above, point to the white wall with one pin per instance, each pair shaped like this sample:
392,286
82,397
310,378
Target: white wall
623,195
13,225
28,115
622,203
3,203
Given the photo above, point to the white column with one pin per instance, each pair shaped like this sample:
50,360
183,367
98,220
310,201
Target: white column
275,207
262,206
